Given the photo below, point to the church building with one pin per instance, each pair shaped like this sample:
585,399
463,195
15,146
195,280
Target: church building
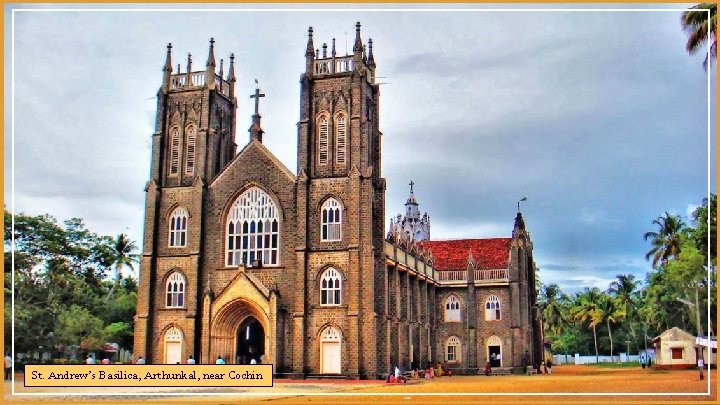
246,260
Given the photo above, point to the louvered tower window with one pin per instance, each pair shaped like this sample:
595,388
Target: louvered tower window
323,135
174,150
341,137
190,153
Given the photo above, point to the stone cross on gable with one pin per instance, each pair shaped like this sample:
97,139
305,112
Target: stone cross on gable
257,96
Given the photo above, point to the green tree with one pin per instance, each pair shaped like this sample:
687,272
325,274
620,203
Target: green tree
610,310
666,241
624,289
585,310
122,256
59,288
77,326
704,220
552,309
697,26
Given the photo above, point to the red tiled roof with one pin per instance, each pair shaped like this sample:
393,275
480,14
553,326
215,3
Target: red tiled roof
453,254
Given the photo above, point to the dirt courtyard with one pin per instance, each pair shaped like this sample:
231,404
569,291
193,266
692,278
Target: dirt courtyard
573,382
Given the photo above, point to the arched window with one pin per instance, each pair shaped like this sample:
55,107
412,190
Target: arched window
190,150
178,228
340,139
323,135
452,350
452,309
330,287
174,150
492,308
253,227
331,221
175,291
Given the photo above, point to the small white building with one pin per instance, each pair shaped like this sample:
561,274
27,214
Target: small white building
676,348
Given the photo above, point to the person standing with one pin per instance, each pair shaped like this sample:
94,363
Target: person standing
525,362
642,362
190,360
8,366
488,369
219,360
549,366
141,360
701,366
90,359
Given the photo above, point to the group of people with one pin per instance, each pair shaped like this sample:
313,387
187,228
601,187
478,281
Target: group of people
645,361
396,375
89,359
191,360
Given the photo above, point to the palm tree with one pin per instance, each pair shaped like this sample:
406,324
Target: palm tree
553,315
666,242
610,310
585,309
695,23
623,288
122,256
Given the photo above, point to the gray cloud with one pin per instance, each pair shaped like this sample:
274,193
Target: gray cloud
599,120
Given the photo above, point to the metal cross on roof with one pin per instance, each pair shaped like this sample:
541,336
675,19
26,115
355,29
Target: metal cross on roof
412,183
257,96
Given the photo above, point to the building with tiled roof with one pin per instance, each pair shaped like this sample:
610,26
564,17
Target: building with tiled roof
484,295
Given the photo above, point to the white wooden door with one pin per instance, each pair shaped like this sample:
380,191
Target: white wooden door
173,354
331,357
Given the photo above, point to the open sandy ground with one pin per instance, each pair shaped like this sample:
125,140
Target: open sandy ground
573,383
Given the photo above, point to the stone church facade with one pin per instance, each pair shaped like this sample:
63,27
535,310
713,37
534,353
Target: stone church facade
245,260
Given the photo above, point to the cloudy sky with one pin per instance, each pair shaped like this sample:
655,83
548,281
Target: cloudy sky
599,118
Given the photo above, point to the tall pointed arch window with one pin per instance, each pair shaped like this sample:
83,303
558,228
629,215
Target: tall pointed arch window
175,291
174,150
452,350
178,228
340,139
253,230
191,134
452,309
330,287
492,309
323,140
331,221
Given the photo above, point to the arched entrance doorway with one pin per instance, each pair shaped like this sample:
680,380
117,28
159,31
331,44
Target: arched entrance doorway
494,351
250,341
239,332
330,351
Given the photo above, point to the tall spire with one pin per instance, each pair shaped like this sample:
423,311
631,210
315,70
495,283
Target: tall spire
371,59
168,59
211,55
358,47
310,51
167,69
333,48
210,66
231,75
221,68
